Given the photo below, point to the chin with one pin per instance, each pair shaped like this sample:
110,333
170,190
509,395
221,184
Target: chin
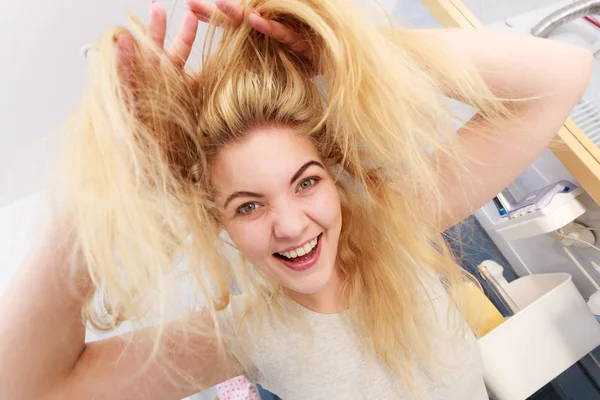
311,284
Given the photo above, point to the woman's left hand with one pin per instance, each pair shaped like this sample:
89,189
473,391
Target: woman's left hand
237,14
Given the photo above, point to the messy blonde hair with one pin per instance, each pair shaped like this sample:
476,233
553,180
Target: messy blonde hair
136,175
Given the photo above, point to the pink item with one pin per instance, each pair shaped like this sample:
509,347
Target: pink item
238,388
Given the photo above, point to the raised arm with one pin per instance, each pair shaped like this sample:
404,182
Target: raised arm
44,355
42,336
551,76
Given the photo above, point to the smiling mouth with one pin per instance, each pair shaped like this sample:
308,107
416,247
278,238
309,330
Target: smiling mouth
303,262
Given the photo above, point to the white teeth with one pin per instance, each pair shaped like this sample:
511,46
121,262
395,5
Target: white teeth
307,248
300,251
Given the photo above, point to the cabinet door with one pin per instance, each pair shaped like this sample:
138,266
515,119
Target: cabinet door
578,140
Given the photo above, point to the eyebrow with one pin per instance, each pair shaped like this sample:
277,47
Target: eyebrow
259,195
241,194
304,168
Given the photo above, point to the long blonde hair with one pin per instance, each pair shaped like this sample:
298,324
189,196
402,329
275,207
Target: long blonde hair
135,174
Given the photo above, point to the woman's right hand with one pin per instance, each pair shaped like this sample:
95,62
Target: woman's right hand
179,50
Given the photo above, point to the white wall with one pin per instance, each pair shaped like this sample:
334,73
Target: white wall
489,11
415,14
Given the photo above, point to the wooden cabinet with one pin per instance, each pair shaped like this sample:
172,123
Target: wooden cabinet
572,146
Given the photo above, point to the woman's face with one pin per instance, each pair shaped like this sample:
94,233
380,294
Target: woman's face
280,207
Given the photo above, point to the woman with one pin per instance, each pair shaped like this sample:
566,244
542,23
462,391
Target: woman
311,161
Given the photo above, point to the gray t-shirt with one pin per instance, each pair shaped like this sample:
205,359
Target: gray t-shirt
334,367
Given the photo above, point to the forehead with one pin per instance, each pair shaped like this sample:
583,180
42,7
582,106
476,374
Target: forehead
267,155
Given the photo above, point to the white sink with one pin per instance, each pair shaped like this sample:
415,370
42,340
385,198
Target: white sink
553,330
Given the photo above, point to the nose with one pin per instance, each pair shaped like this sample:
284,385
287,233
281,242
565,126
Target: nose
290,221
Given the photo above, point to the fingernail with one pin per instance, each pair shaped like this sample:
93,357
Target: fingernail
256,14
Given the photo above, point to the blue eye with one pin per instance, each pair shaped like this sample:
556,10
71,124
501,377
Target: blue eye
307,183
247,208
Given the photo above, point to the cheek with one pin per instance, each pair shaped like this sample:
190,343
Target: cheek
251,237
324,206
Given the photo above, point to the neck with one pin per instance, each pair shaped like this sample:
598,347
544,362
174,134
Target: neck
328,300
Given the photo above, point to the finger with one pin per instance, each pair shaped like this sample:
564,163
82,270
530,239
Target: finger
182,45
203,10
126,67
302,47
125,58
273,29
282,34
157,28
234,12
